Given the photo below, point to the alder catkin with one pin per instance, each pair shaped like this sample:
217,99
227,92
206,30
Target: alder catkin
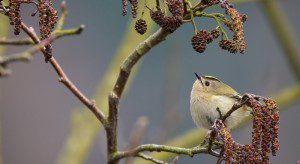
48,19
14,15
124,7
228,45
134,7
237,27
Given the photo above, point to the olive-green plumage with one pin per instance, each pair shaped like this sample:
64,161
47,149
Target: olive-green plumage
208,94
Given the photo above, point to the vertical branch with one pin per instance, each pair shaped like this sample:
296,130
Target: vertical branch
111,130
284,34
120,84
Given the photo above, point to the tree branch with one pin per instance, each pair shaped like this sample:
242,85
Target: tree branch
134,57
27,55
163,148
64,14
65,80
19,42
111,129
234,107
119,86
56,34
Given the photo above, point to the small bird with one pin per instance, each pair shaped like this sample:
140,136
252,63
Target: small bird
209,94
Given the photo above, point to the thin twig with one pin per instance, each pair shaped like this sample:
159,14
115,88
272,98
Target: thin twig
215,17
65,80
64,14
27,55
235,107
148,158
192,15
19,42
56,34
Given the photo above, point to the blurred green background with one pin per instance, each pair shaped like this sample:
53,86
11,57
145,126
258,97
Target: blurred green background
36,109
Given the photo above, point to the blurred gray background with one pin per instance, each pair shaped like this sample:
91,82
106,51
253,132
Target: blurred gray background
35,108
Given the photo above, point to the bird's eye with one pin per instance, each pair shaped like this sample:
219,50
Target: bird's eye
207,83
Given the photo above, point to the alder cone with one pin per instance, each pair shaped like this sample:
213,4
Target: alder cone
215,33
199,41
209,37
176,7
141,26
172,23
168,23
158,17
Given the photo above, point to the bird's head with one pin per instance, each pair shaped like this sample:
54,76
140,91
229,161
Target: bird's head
211,85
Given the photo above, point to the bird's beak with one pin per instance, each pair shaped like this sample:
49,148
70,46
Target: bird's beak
199,78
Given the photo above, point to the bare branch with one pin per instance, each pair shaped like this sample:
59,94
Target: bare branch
111,129
163,148
64,14
56,35
134,57
19,42
65,80
27,55
148,158
234,108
